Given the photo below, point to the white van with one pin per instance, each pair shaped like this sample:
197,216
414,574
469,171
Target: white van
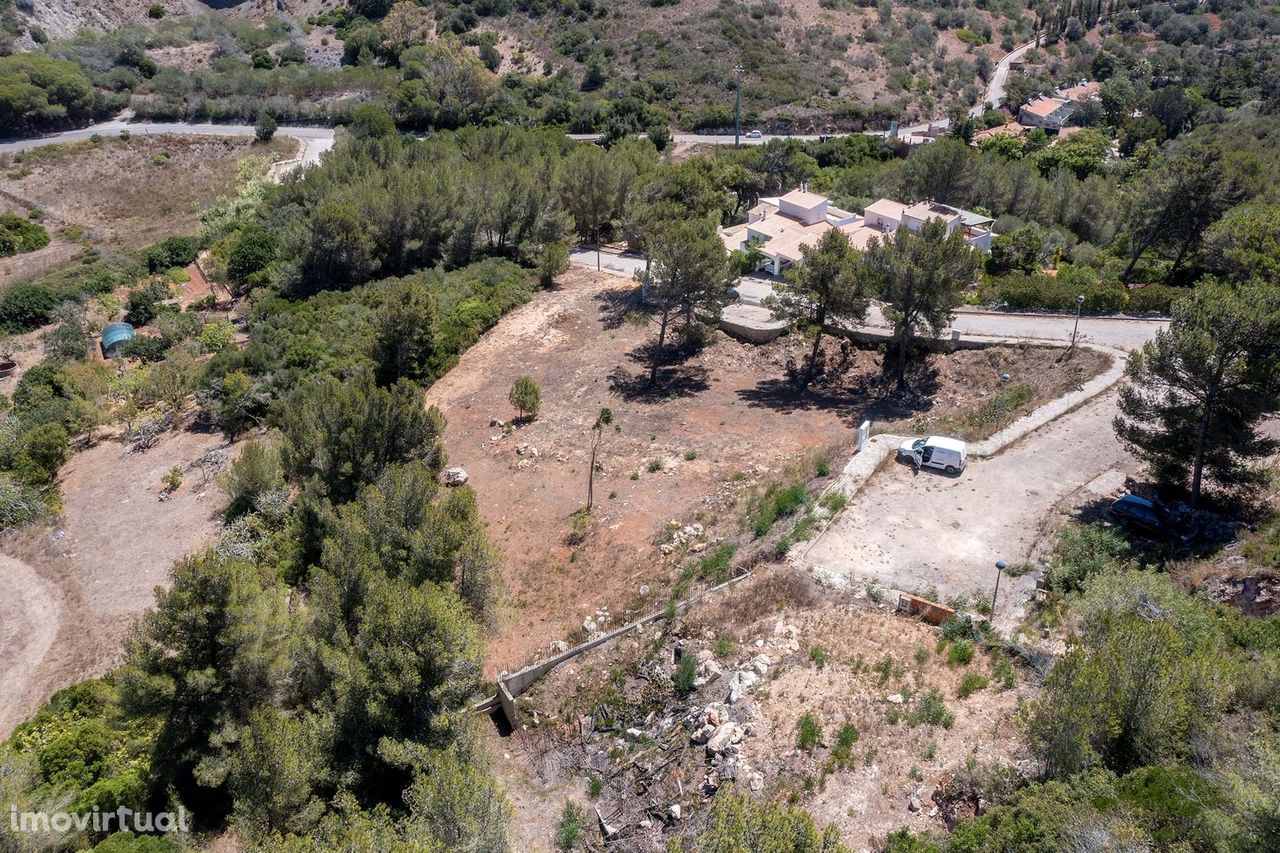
936,451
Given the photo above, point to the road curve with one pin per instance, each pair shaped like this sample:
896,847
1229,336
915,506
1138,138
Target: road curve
320,139
316,140
1000,76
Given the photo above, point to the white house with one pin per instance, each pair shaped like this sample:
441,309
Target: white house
778,227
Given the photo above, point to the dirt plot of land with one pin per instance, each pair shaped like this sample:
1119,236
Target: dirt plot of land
725,412
126,194
68,593
892,761
839,658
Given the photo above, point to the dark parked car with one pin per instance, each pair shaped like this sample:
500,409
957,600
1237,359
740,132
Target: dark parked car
1148,516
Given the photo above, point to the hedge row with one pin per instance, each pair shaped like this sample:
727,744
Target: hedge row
1047,293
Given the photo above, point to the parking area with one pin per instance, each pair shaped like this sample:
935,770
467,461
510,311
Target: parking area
608,260
915,531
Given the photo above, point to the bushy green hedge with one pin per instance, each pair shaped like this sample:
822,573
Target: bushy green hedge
170,252
1021,292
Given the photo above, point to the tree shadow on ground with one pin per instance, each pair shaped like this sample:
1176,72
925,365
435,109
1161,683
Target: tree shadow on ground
855,398
673,381
619,303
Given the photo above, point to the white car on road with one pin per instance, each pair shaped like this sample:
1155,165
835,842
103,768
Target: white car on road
936,451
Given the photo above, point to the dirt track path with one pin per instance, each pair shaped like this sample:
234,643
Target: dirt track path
30,613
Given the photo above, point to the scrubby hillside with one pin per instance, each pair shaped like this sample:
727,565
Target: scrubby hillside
59,19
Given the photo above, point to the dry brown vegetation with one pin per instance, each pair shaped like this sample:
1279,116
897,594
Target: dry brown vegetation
120,194
843,659
78,584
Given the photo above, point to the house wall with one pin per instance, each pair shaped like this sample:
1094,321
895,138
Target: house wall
981,241
880,223
806,215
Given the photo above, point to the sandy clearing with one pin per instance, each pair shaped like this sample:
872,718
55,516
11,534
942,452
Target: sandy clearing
69,592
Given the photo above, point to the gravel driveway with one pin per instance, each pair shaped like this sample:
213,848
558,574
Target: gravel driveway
912,531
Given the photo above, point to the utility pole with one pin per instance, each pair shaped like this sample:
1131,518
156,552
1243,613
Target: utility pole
737,107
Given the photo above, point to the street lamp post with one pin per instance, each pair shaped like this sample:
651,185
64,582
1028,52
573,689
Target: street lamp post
1000,567
1076,327
737,106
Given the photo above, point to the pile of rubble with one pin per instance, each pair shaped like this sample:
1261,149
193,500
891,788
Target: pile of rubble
1253,595
595,624
690,535
722,726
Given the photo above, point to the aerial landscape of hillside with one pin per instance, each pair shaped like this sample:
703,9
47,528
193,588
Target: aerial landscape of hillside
652,425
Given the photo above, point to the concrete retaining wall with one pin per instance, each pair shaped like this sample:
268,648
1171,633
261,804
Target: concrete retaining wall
855,474
511,686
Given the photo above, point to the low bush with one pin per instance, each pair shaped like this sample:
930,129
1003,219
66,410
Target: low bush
808,732
145,348
18,235
932,711
1082,552
685,674
170,252
778,502
1036,292
960,653
971,684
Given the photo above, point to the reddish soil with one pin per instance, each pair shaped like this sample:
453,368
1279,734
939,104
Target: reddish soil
725,418
570,341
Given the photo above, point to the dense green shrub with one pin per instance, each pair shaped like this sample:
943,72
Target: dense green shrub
1044,292
18,235
256,472
170,252
40,91
41,454
253,252
27,306
264,128
143,304
145,348
1081,552
1157,298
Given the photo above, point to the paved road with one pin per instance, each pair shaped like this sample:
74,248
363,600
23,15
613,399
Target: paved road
316,139
607,261
911,531
1121,332
320,139
999,77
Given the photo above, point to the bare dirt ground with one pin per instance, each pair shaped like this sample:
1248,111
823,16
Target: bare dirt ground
725,418
123,194
870,671
924,531
69,592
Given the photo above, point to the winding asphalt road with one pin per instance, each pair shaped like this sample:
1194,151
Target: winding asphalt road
318,140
